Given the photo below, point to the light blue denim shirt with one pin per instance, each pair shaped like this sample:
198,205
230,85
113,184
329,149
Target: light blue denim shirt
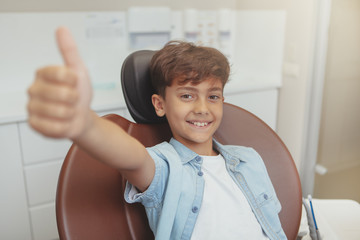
173,199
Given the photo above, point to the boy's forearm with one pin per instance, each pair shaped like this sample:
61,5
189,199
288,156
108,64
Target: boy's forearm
109,143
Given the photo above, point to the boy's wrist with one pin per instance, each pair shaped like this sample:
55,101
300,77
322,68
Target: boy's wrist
88,125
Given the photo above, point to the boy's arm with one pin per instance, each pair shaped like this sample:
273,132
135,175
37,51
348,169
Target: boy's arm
109,143
59,107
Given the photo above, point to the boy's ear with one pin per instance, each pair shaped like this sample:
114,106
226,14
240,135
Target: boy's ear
159,104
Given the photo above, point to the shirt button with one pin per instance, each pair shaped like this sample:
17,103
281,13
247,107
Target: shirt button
266,196
198,159
200,173
195,209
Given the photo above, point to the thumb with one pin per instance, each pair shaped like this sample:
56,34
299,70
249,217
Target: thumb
68,49
73,61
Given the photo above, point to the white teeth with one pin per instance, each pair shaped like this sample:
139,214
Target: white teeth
200,124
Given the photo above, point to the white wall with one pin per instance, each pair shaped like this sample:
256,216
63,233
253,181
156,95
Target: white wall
339,136
300,37
297,73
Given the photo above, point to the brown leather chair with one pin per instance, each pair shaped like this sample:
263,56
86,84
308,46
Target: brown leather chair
90,202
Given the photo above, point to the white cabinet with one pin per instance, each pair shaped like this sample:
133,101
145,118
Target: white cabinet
262,103
37,149
41,181
42,160
29,170
43,222
14,215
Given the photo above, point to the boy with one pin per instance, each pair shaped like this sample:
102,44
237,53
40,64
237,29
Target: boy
192,187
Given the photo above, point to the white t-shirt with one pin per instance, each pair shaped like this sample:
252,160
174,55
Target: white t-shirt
225,212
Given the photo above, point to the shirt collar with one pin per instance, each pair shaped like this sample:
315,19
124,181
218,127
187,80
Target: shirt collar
231,155
186,155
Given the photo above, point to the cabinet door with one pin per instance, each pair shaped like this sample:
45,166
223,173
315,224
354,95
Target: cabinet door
38,149
14,216
262,103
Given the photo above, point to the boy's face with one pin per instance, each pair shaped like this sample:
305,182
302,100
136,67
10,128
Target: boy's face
194,112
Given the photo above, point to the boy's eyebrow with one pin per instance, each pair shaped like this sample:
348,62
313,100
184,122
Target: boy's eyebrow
187,89
216,89
193,89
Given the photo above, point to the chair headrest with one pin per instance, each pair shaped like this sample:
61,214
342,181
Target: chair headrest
137,87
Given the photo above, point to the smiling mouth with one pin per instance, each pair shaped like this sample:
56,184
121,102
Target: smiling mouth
199,124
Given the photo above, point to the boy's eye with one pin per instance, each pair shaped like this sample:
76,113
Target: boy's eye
186,96
214,97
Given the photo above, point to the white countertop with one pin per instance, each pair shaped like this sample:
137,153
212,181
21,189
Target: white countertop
337,219
13,104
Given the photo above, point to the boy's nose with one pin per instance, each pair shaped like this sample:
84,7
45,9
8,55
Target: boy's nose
201,107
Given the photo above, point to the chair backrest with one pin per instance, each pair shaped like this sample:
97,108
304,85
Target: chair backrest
90,202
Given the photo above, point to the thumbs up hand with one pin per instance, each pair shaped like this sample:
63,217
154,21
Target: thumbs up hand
60,96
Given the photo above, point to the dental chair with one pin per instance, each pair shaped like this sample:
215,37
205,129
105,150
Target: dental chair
90,195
